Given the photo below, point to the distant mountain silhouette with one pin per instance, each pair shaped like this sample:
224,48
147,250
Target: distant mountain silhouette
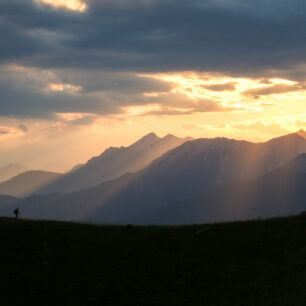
11,170
115,162
281,192
191,169
76,167
302,133
27,183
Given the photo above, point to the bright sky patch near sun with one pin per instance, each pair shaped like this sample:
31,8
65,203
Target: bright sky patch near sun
74,5
58,87
242,94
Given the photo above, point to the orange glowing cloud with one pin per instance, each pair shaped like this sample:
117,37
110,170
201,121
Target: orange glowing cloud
139,110
4,130
232,92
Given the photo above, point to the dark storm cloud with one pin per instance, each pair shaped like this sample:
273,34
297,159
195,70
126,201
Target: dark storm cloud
129,83
20,97
27,92
161,35
31,104
102,49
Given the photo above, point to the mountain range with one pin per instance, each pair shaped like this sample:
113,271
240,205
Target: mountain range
179,178
27,183
281,192
115,162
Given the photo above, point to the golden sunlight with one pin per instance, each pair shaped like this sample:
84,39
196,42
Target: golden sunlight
261,107
240,93
72,116
74,5
138,110
59,87
9,131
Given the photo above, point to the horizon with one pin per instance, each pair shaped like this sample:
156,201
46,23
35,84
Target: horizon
65,170
79,76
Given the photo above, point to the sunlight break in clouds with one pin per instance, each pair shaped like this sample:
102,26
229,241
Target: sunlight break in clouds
74,5
240,93
58,87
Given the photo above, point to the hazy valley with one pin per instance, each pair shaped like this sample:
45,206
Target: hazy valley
170,181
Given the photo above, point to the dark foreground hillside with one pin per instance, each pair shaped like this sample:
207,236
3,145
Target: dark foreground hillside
249,263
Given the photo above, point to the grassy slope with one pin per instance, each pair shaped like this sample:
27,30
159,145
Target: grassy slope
249,263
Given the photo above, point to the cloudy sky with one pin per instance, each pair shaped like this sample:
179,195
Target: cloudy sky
77,76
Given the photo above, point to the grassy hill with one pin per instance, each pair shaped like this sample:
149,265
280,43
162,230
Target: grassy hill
243,263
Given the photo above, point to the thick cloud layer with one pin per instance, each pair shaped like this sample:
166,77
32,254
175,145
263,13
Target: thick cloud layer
158,35
87,62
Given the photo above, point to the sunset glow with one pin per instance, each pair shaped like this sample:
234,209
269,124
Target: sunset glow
64,87
131,128
94,74
74,5
230,90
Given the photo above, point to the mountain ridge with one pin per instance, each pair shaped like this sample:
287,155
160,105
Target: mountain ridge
27,183
190,169
114,162
280,192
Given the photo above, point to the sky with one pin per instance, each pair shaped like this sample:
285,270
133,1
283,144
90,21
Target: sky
78,76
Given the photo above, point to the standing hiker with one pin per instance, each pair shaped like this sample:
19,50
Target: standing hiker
16,212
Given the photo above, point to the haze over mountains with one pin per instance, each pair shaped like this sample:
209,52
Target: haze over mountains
7,203
27,183
181,175
10,170
281,192
115,162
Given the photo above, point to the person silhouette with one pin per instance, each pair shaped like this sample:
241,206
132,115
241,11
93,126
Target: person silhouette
16,212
